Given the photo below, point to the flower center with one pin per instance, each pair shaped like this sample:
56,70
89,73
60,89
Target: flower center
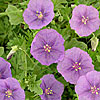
84,20
94,90
39,15
47,48
8,93
77,66
48,91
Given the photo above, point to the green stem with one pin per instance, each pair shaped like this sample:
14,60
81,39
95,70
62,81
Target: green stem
25,67
3,14
27,55
68,17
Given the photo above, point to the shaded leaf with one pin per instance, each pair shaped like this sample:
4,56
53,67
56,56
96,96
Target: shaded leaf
75,43
1,51
15,15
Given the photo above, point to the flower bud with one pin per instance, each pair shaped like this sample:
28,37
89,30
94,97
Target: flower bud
94,43
60,18
14,49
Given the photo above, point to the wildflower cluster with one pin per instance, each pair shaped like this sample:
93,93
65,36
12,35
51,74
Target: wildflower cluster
73,64
9,87
48,47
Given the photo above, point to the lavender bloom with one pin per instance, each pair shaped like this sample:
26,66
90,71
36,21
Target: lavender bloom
47,47
39,13
10,90
52,89
85,20
75,64
88,86
5,70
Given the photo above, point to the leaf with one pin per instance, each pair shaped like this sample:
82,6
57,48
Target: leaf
98,58
75,43
97,33
91,1
1,51
81,1
58,4
14,14
2,30
33,85
37,88
61,79
66,9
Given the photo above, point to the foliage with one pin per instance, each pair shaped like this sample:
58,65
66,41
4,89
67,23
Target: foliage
14,31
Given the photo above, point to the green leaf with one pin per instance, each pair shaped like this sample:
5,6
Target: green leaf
76,1
2,30
82,1
58,4
33,85
1,51
61,79
91,1
97,33
98,58
66,9
75,43
14,14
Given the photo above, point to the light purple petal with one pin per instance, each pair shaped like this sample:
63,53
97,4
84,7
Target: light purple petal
82,86
48,81
30,15
88,12
5,70
72,56
93,77
54,40
19,94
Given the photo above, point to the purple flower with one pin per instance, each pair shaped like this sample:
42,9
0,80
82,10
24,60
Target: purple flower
85,20
88,86
39,13
47,47
52,89
10,90
5,70
75,64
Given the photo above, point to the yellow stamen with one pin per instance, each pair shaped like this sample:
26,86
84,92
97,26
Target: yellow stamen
48,50
79,68
79,64
76,62
8,96
96,92
73,66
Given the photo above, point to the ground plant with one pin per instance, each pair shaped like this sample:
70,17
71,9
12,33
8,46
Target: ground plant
49,50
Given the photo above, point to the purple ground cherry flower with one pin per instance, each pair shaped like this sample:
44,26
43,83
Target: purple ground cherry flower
88,86
48,47
5,70
75,64
10,90
39,13
85,20
52,89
